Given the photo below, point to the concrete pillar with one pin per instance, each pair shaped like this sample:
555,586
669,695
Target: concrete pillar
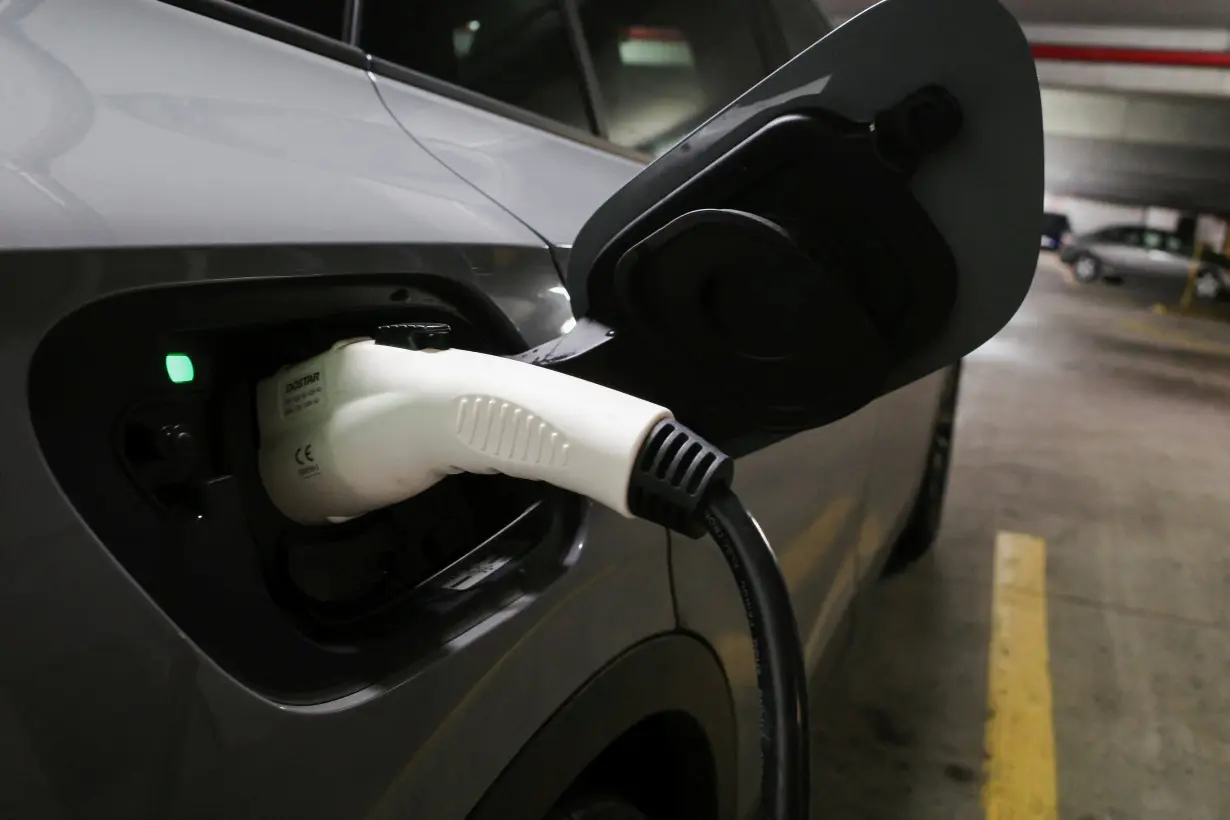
1087,215
1186,228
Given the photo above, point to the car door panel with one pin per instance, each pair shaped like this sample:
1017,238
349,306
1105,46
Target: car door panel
1155,261
1178,256
1109,246
1164,255
1176,265
1132,255
1112,253
904,420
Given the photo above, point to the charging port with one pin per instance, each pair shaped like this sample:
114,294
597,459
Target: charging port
163,468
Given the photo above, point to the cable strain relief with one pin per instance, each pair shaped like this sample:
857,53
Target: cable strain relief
674,473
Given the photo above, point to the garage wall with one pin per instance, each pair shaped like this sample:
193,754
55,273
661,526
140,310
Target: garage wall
1089,215
1140,119
1166,219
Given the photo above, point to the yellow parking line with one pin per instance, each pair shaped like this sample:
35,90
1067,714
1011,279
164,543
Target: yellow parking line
1176,339
1020,742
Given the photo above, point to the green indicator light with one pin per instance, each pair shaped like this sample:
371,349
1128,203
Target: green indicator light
179,368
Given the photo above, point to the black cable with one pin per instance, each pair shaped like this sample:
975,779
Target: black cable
780,672
683,482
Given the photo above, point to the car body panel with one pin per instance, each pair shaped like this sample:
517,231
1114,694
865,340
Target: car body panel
1167,263
1133,250
904,420
512,162
1165,253
135,124
832,502
1114,252
186,132
135,144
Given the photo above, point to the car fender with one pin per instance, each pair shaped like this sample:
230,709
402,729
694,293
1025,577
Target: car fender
673,673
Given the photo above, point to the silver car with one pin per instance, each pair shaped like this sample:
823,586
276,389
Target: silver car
192,194
1124,251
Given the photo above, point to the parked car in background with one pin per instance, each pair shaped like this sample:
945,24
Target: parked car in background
1123,251
1056,229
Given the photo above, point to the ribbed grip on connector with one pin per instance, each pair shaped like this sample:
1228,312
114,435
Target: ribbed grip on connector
674,473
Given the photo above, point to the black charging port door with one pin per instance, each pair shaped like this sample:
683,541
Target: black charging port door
149,428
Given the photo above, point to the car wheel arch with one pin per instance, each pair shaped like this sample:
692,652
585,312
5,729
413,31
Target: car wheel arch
667,693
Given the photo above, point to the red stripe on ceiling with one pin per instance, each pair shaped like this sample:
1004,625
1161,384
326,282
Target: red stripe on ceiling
669,35
1131,56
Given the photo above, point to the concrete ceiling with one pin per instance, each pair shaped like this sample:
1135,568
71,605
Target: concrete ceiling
1144,149
1187,179
1169,13
1141,135
1164,13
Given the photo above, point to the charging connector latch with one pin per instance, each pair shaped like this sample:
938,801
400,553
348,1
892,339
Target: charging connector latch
414,335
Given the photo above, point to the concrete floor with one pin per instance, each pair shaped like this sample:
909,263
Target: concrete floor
1103,428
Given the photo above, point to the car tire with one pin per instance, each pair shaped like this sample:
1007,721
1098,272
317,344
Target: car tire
1086,268
1209,286
599,807
923,525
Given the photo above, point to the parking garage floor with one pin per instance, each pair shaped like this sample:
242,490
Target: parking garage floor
1082,569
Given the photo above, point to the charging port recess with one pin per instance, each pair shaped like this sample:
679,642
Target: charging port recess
143,405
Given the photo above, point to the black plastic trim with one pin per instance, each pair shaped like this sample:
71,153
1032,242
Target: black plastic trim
351,22
595,108
669,673
767,34
276,29
787,14
426,82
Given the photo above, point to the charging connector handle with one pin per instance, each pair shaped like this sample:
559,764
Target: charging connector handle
366,425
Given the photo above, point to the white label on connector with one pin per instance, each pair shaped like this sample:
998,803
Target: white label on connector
302,392
474,573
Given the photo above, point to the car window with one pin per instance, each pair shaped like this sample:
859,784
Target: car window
321,16
1128,236
515,51
1153,240
665,66
1175,244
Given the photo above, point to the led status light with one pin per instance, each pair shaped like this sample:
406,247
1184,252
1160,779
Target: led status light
179,368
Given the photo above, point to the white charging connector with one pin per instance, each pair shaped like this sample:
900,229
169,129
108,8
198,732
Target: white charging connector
368,424
365,425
